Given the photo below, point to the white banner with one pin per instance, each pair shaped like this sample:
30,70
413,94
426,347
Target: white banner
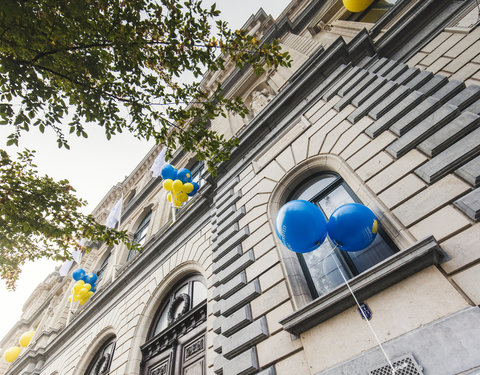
114,216
63,271
158,163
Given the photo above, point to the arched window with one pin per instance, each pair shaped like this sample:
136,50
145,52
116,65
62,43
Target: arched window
103,359
176,339
140,234
328,191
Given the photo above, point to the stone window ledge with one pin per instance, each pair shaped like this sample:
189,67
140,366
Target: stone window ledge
399,266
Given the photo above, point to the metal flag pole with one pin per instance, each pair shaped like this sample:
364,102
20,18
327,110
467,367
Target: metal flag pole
70,308
362,312
115,249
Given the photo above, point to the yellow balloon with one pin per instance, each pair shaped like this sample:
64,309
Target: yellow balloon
167,184
188,187
25,338
12,353
76,288
70,299
169,197
177,186
177,203
80,282
182,197
83,292
88,286
90,294
356,5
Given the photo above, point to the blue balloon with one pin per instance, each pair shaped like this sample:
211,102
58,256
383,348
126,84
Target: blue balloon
90,278
352,227
184,175
168,172
195,189
301,226
78,274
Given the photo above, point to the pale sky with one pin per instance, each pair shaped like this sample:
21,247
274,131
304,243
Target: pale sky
94,165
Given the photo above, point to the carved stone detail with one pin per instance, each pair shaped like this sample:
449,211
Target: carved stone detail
194,348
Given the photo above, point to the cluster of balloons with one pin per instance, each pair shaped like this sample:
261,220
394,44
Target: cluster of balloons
179,184
84,287
12,353
356,5
302,227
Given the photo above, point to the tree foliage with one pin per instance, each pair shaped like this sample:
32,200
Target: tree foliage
125,65
121,64
40,217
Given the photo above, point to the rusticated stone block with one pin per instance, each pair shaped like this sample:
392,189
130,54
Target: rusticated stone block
245,338
411,101
470,204
244,364
449,134
231,271
427,127
407,76
470,172
237,321
389,102
240,298
419,80
452,158
417,114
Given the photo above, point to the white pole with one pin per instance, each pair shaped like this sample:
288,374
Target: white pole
173,212
115,248
70,308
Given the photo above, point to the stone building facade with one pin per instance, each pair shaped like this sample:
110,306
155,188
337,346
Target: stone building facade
381,108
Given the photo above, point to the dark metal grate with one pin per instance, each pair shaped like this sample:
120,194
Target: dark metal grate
403,366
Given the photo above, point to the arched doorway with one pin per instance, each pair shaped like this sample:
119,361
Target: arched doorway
176,340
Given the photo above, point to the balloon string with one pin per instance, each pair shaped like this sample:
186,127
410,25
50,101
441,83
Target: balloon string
362,312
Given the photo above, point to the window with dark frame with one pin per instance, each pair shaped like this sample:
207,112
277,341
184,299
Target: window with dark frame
103,267
184,298
328,191
103,359
176,341
140,234
197,170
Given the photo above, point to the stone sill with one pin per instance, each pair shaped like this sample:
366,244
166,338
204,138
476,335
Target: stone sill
399,266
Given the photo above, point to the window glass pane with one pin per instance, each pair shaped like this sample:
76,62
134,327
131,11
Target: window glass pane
314,186
375,253
183,289
162,322
322,268
141,233
197,170
103,267
199,293
335,199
